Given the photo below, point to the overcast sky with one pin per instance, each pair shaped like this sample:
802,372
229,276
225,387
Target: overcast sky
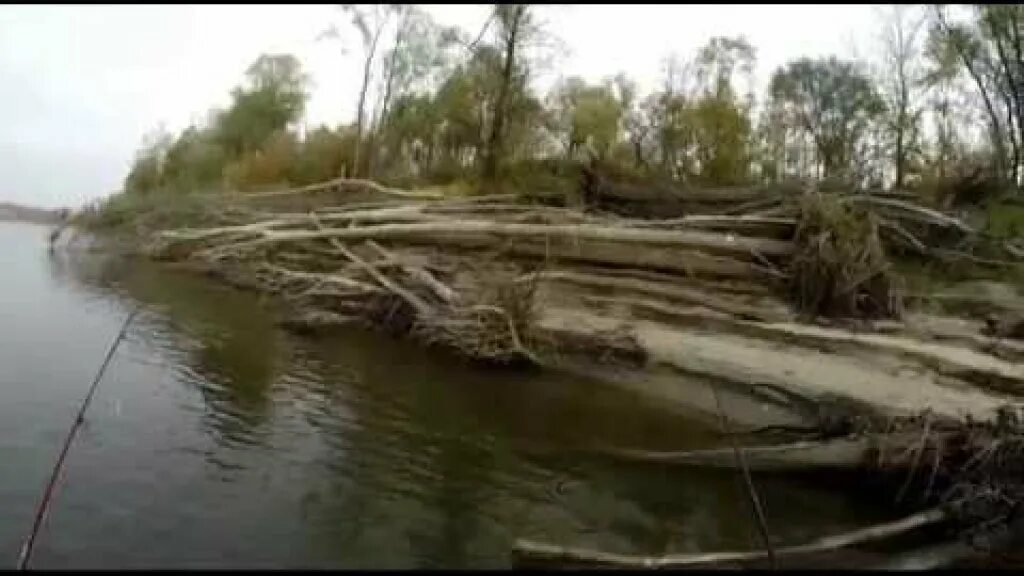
81,85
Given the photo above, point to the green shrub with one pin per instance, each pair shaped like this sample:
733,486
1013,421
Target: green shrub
1006,220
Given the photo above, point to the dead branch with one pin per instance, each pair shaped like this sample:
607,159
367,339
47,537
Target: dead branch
415,301
912,211
445,293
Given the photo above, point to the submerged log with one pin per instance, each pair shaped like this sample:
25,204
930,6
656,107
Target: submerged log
529,551
842,453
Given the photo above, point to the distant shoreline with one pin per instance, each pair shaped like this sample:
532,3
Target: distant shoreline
16,212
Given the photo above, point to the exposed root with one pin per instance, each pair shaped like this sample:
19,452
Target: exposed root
840,267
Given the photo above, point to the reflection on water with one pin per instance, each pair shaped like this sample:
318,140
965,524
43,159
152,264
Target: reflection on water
219,440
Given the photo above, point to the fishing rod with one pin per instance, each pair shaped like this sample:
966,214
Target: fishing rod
26,549
741,462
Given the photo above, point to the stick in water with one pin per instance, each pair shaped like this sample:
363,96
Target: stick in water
26,549
755,502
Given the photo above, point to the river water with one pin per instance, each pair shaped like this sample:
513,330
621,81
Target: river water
217,439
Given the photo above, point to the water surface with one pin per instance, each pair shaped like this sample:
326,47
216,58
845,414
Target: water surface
217,439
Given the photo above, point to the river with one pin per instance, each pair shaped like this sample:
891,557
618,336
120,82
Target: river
217,439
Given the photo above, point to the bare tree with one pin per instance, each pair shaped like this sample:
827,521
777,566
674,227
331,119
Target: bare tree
901,79
979,47
512,19
370,21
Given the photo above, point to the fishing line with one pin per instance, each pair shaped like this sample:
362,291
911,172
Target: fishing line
26,549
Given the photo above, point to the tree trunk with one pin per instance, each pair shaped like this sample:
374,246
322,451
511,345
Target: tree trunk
388,90
1010,100
361,111
901,118
997,129
1018,50
638,154
494,145
900,153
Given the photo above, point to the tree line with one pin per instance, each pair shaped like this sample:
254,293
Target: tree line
439,104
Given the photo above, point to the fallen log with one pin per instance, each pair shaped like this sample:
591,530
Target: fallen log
764,226
403,213
312,321
737,246
977,367
340,182
975,364
842,453
690,263
739,288
874,386
667,291
549,554
658,250
338,279
912,211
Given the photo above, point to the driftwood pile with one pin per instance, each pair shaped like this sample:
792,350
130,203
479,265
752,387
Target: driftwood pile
463,272
474,274
403,259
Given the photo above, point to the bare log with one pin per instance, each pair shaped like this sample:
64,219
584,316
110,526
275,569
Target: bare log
913,211
315,320
677,251
754,225
842,453
538,552
980,368
668,291
488,208
690,263
403,213
351,182
736,246
337,279
479,199
733,288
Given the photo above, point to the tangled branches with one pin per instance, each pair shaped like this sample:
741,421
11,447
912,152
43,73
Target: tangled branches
496,329
839,267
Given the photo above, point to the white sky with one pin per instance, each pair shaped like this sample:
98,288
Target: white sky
81,85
